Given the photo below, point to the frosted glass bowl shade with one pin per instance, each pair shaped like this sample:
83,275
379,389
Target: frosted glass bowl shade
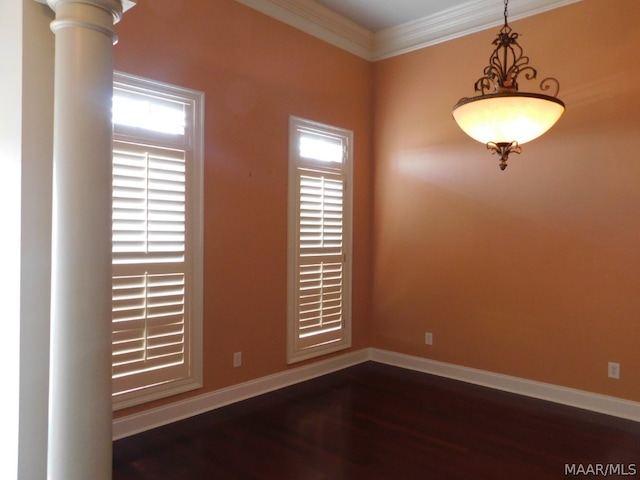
507,117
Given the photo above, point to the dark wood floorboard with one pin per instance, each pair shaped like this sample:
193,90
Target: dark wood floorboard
373,421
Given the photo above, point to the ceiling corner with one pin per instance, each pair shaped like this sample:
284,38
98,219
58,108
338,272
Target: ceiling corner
320,22
454,22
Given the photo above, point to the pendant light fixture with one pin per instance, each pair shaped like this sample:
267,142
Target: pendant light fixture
501,116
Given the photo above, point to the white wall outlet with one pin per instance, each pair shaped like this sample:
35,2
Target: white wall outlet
614,370
237,359
428,338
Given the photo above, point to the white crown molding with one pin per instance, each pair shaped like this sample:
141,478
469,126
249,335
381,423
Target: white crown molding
157,417
323,23
318,21
470,17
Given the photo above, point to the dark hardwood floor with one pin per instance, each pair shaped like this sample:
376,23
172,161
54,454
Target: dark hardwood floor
374,421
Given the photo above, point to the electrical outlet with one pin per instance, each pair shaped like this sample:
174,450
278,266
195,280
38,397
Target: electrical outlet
428,338
237,359
614,370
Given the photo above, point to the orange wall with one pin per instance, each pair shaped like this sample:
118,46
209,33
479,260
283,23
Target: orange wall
255,72
531,272
534,271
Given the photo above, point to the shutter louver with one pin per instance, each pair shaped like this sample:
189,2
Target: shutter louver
149,204
149,285
320,298
320,214
320,257
148,327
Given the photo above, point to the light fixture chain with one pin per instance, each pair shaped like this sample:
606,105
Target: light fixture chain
506,11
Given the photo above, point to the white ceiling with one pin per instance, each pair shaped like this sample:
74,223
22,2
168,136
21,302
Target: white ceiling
379,29
376,15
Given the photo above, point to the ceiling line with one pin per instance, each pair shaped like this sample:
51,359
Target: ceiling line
331,27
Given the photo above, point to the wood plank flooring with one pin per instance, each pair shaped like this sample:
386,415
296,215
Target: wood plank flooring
373,421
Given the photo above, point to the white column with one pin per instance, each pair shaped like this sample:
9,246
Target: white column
80,369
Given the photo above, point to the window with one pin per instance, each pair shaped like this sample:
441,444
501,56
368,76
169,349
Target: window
157,240
319,317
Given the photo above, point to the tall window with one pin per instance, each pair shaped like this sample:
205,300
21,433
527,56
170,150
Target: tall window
157,240
320,165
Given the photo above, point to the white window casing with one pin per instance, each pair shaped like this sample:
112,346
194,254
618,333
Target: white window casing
319,250
158,156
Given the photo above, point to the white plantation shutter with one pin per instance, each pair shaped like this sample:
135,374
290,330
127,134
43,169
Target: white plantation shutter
319,250
320,257
148,330
156,246
149,211
149,204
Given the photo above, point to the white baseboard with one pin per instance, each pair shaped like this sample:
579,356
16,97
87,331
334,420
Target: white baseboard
157,417
544,391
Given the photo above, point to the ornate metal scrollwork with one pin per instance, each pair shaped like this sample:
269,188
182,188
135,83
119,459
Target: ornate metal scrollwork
506,64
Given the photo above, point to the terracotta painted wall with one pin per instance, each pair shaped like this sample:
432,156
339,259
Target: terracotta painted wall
255,72
534,271
531,272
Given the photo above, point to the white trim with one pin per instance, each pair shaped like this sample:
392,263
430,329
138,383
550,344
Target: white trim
157,417
543,391
323,23
140,422
318,21
455,22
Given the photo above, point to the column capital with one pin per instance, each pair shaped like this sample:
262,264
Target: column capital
115,7
98,15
